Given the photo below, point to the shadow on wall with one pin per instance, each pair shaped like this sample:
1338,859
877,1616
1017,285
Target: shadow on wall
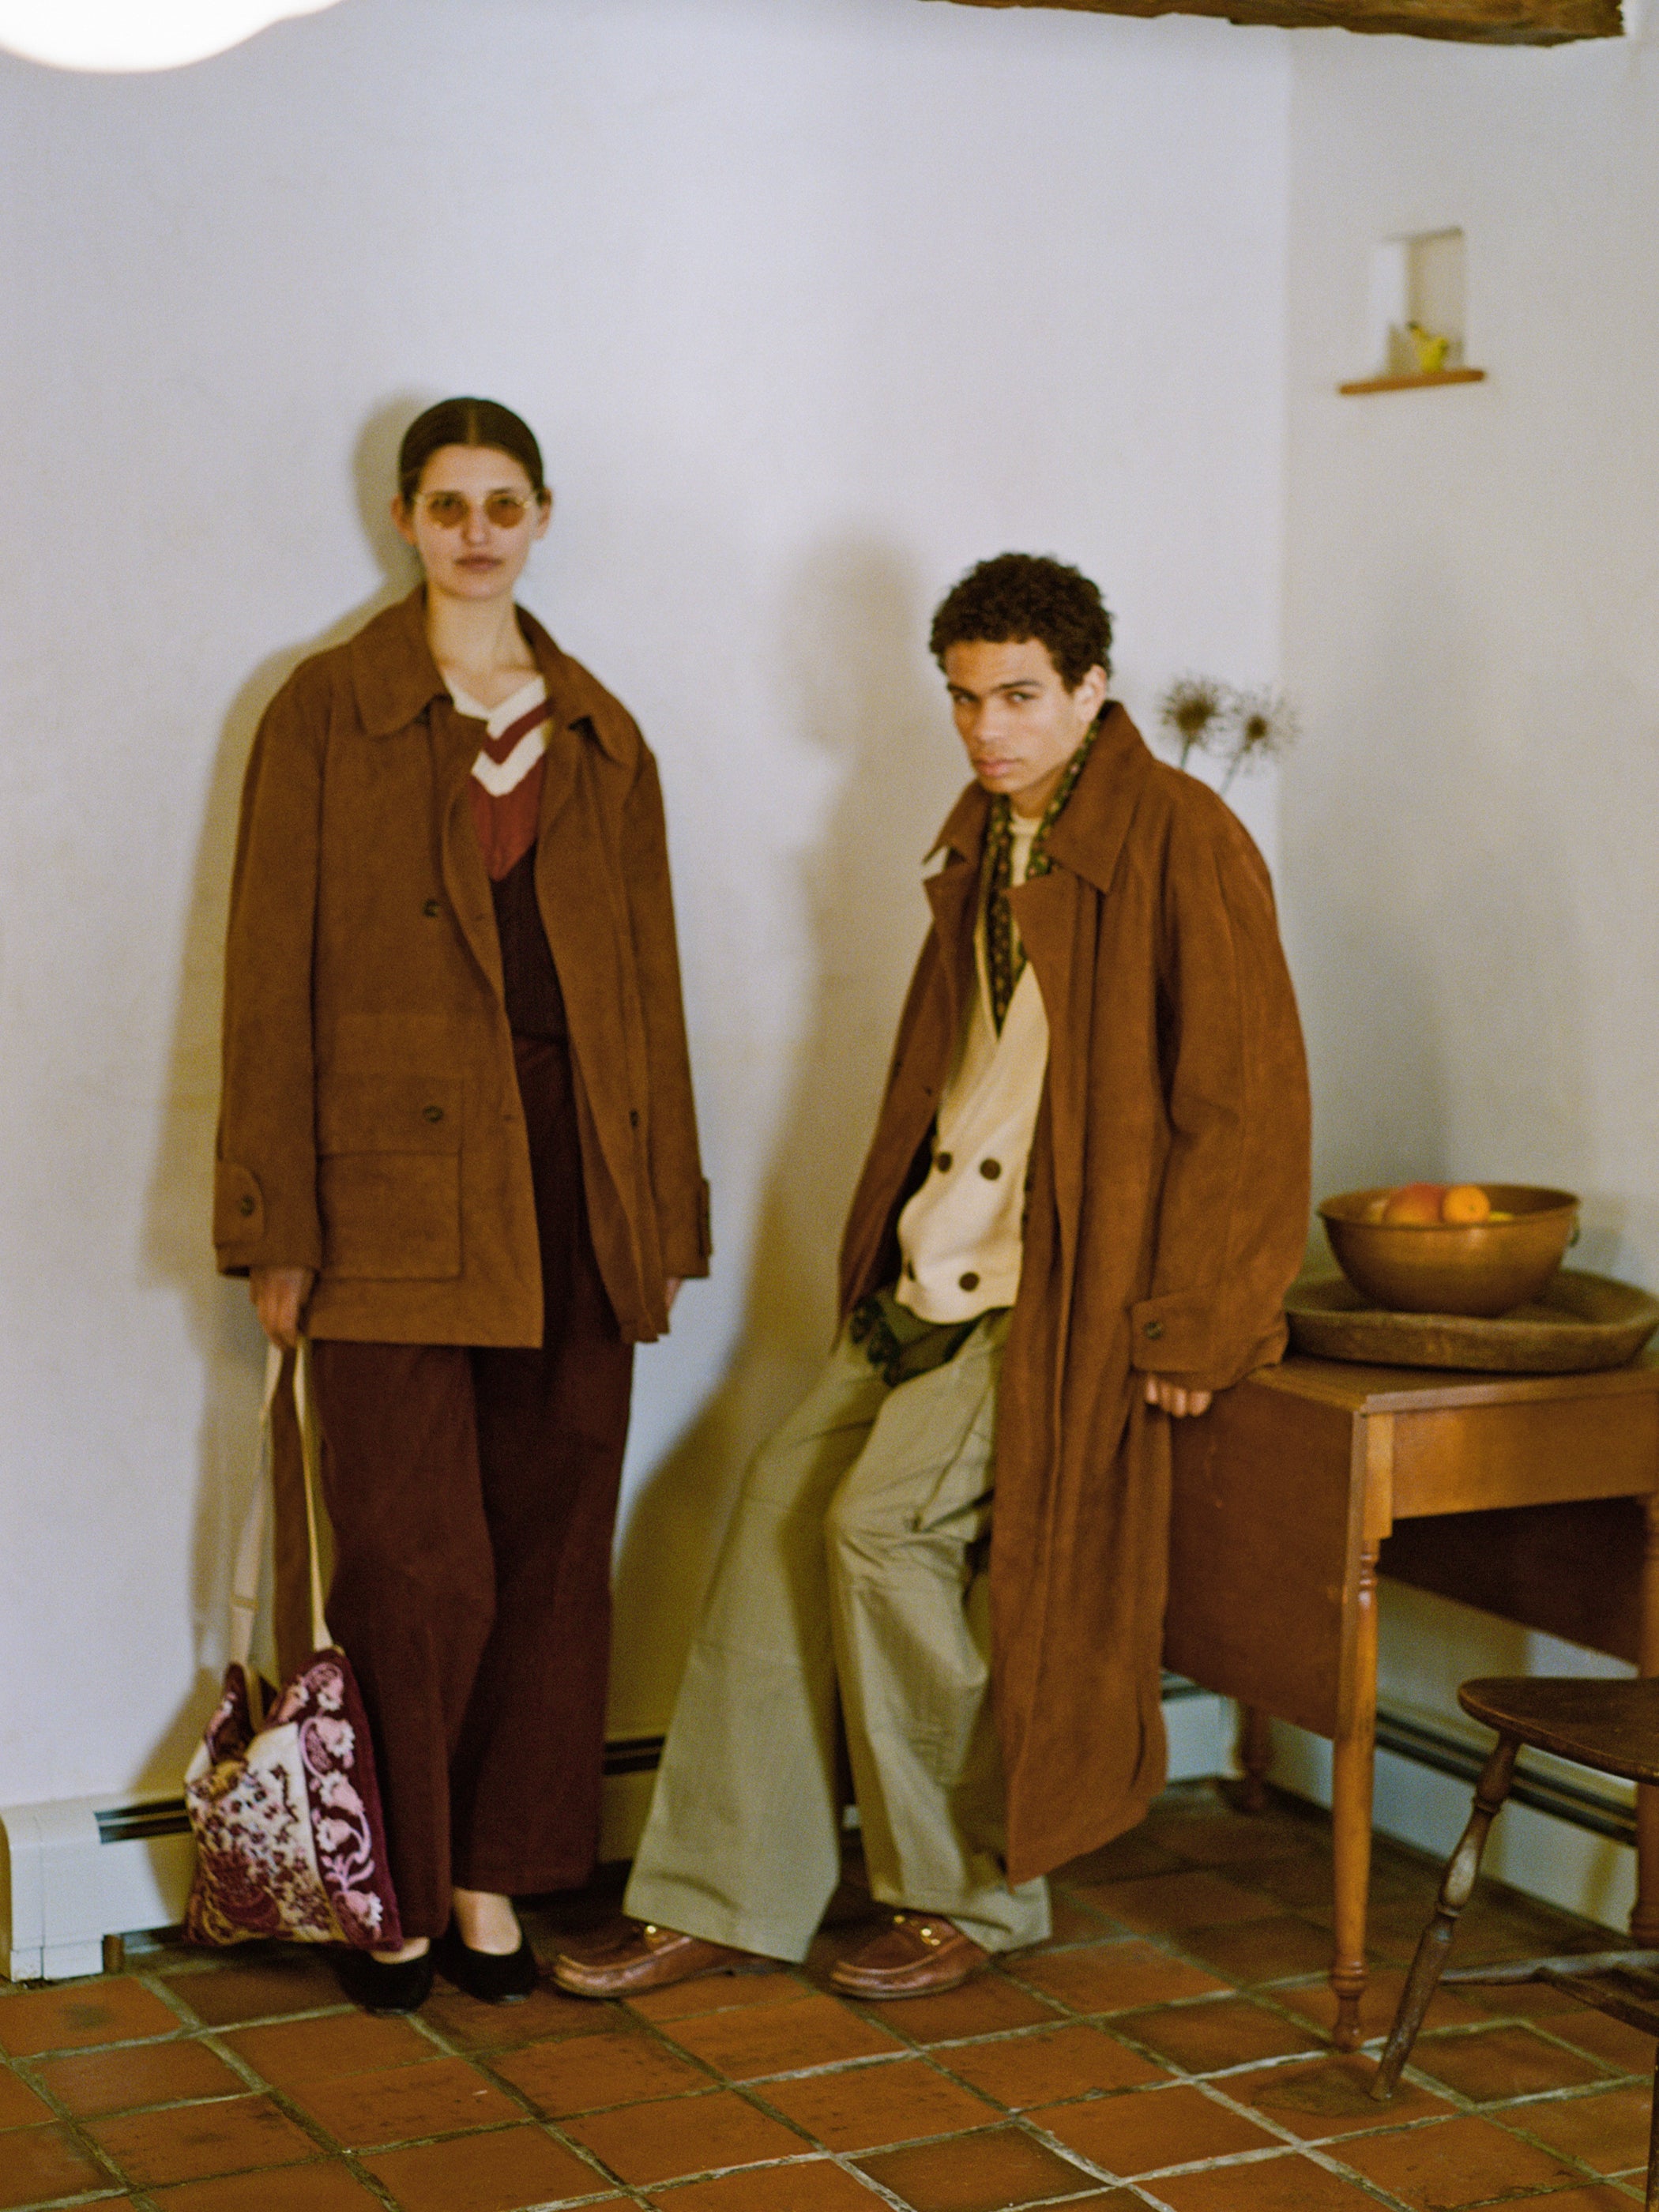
1434,926
178,1247
854,617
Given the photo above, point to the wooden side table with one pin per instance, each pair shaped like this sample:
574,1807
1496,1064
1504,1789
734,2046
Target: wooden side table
1283,1494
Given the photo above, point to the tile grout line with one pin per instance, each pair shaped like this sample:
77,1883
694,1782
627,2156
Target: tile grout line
1326,2150
934,2055
995,2112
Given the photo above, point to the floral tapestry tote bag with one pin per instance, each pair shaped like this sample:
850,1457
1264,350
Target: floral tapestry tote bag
282,1792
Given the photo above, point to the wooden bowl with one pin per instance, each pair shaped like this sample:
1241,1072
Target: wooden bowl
1485,1267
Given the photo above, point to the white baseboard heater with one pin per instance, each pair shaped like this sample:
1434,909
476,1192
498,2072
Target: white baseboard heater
80,1868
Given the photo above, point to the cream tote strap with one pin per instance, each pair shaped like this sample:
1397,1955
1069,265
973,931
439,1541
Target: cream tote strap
244,1582
250,1552
305,1411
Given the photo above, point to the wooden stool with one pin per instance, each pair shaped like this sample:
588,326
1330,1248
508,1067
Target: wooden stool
1611,1726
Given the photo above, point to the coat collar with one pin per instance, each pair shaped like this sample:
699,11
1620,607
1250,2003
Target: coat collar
1089,833
395,678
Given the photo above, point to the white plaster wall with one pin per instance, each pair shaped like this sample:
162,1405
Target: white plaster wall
1471,859
1472,619
813,302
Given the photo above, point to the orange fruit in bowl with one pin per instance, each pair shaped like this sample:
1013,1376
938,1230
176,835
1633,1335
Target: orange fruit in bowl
1466,1202
1415,1201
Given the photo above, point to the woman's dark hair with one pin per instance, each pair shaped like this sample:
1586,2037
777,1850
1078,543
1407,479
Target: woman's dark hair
1017,596
467,422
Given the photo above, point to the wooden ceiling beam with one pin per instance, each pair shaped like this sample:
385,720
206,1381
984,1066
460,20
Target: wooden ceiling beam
1485,22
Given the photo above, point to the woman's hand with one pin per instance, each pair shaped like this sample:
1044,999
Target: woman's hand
671,1289
1174,1398
279,1295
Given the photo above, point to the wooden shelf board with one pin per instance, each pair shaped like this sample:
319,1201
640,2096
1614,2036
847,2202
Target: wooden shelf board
1493,22
1414,382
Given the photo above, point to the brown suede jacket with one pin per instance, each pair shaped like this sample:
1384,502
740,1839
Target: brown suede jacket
1167,1209
370,1128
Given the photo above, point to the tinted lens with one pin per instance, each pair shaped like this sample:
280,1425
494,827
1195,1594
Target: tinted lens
449,509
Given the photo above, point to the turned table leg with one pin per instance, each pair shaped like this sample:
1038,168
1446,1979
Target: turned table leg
1353,1755
1644,1915
1254,1750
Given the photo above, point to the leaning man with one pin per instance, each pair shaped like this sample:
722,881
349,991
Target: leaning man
1085,1197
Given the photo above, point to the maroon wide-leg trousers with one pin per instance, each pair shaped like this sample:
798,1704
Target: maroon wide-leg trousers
473,1495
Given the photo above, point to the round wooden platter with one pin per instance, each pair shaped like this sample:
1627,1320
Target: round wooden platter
1576,1322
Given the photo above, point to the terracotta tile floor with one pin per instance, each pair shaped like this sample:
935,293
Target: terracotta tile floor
1169,2048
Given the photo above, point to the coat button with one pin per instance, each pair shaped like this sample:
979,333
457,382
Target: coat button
969,1282
990,1169
245,1207
432,909
633,1117
1154,1329
944,1161
432,1113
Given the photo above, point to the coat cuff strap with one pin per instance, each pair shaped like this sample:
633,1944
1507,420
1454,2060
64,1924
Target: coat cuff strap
1173,1334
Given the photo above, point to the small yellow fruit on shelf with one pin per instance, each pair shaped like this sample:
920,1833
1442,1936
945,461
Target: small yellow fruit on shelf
1466,1202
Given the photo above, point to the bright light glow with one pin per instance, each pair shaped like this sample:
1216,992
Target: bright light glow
137,34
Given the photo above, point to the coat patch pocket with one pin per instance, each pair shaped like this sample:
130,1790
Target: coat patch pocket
389,1176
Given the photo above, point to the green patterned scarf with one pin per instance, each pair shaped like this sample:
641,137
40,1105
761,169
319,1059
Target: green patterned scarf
1004,957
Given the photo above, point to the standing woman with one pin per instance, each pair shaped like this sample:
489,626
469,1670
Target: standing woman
456,1149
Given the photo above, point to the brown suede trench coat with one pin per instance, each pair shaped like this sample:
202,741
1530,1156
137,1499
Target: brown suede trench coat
371,1128
1166,1213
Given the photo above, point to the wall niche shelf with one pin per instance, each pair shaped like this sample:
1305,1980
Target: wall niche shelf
1416,314
1414,380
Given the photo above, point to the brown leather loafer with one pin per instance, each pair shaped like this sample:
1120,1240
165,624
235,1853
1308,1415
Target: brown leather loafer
918,1954
642,1956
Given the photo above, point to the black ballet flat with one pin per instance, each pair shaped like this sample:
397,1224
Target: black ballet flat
493,1976
382,1986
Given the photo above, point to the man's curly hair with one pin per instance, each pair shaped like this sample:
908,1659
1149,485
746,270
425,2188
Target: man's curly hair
1017,596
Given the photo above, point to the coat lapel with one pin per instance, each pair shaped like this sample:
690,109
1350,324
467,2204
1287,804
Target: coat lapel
1088,838
396,678
454,749
1059,916
584,909
953,894
1052,912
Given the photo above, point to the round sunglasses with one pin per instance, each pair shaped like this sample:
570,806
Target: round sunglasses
506,510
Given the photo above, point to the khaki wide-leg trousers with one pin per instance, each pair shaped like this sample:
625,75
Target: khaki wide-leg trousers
853,1573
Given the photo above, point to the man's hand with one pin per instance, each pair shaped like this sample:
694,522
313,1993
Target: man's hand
1173,1399
279,1295
671,1289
